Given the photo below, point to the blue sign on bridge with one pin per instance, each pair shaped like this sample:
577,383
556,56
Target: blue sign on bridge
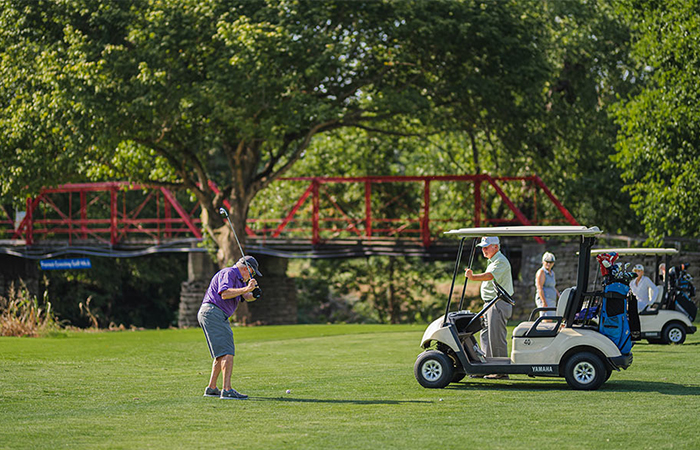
65,264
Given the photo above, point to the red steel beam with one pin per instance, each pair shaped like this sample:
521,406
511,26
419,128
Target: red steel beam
181,212
113,216
554,200
521,217
168,225
315,235
293,211
425,222
368,208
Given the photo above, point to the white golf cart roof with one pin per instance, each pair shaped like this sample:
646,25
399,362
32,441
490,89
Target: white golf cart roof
635,251
527,231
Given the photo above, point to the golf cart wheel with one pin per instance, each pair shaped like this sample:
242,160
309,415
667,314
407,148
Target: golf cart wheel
608,372
458,376
585,371
433,369
674,333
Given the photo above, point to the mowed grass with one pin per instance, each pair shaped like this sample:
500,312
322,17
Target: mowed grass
352,386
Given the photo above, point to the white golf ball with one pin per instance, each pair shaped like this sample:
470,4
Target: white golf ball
289,391
440,399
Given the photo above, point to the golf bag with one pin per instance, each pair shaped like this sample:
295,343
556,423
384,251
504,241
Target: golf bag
614,309
681,291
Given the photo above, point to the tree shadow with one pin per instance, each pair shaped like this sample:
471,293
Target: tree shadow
337,401
516,384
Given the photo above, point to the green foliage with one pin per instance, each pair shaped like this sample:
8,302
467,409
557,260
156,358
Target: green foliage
141,292
590,55
658,146
369,290
207,84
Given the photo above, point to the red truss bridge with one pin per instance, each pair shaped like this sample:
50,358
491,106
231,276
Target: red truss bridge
294,217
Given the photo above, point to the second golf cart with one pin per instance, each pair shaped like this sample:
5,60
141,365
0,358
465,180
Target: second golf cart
550,346
665,320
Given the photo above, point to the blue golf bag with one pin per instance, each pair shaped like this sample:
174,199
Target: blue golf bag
614,322
614,312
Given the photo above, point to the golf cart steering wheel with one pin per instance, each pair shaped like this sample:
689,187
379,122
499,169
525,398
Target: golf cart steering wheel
502,294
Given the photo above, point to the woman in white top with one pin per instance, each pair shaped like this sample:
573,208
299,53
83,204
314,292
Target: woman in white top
545,283
643,288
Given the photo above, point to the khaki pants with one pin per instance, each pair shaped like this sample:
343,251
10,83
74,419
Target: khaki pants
494,334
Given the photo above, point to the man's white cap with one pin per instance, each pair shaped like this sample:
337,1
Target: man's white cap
488,240
548,257
639,267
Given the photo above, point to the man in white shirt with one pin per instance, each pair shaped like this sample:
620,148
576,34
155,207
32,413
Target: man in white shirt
494,336
643,288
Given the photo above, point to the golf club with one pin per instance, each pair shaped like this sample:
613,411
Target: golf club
257,292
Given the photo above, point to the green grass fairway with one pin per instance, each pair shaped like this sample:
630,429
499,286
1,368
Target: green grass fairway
352,386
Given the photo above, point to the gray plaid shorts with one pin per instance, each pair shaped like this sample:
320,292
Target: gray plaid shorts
217,330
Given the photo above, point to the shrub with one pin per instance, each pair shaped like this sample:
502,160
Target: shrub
22,315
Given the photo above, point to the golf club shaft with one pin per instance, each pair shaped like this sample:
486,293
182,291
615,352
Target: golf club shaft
234,234
256,292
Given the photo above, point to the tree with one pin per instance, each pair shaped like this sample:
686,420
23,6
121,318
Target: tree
659,141
185,92
590,54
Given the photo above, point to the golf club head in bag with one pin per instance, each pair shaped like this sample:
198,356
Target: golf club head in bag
257,292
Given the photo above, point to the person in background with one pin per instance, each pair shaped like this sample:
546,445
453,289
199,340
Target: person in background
643,288
545,283
494,334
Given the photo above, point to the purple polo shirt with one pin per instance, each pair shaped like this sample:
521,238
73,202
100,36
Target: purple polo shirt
227,278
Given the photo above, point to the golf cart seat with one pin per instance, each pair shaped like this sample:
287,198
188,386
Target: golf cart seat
653,308
545,326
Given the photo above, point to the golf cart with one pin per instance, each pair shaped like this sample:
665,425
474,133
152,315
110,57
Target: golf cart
552,346
664,321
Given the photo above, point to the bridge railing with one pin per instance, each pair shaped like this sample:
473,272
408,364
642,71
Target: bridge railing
415,208
321,210
105,213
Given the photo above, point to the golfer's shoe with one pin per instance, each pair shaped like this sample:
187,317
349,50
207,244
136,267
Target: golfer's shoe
209,392
497,376
231,394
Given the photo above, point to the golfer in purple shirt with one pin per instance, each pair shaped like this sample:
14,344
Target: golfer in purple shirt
226,290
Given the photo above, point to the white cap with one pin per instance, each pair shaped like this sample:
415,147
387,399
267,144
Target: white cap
639,267
488,240
548,257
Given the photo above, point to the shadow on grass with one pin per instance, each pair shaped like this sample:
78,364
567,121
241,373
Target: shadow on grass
647,345
324,400
522,384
